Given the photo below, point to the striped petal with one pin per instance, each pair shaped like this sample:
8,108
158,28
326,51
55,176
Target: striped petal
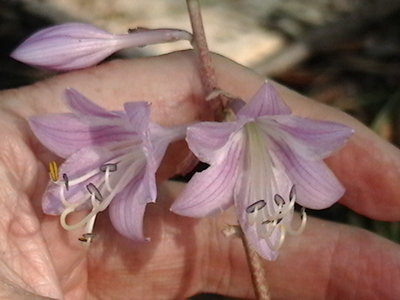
79,104
310,139
265,102
127,209
65,134
211,191
206,139
316,185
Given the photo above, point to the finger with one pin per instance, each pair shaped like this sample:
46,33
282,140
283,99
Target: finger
367,165
328,261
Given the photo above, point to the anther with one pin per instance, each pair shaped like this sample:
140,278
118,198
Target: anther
279,200
93,190
258,205
53,171
292,193
109,167
66,181
87,237
275,221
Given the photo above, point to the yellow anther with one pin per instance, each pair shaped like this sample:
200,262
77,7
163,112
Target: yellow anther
53,171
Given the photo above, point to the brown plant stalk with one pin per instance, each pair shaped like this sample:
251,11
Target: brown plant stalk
218,101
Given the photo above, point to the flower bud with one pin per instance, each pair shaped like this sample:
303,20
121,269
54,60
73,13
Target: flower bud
77,45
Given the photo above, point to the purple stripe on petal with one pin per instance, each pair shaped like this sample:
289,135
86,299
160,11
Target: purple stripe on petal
316,185
78,30
138,114
65,134
127,210
79,104
309,138
265,102
211,191
207,138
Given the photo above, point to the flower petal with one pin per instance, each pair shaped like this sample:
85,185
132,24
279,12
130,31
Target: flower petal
211,191
207,138
79,104
316,185
65,134
309,138
138,114
265,102
127,210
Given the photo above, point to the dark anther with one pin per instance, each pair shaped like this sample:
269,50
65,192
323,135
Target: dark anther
66,181
292,193
270,221
255,206
94,191
110,167
87,237
279,200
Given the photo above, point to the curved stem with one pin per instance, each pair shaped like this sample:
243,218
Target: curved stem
257,270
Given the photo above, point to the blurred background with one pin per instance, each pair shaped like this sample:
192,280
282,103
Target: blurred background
343,53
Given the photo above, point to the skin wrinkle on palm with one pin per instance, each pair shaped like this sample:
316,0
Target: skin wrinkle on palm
317,243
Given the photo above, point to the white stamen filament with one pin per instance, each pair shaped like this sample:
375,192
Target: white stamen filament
107,179
100,206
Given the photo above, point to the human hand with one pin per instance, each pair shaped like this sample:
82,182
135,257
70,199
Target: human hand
185,256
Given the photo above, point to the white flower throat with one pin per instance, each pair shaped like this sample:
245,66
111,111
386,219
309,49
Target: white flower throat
268,192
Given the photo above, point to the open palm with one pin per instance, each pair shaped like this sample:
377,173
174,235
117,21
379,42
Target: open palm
185,256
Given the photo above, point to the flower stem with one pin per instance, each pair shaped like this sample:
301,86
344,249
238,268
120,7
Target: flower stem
209,81
257,270
207,71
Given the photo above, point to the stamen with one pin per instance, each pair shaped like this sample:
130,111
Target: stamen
53,171
267,229
274,221
66,181
108,167
279,244
258,205
93,190
87,237
300,229
279,200
88,219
